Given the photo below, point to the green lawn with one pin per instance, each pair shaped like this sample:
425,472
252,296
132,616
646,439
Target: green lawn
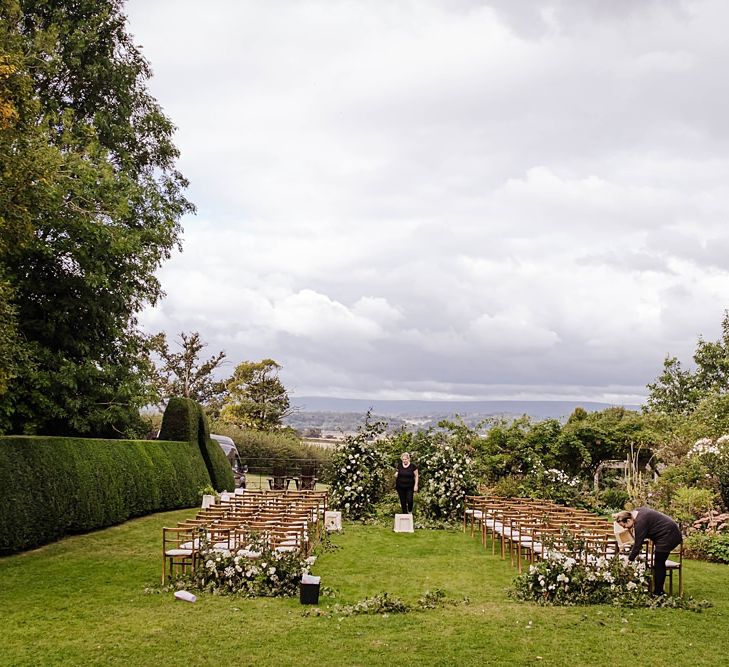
83,601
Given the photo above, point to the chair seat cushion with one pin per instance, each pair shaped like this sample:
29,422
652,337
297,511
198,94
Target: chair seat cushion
194,544
249,553
178,552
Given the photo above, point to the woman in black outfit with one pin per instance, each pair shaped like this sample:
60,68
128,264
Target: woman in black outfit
646,523
406,482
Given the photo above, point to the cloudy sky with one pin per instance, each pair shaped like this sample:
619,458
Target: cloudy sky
448,198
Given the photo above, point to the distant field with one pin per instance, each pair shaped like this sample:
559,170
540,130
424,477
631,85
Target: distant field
324,443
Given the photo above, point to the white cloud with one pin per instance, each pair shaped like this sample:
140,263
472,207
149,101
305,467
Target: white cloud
448,198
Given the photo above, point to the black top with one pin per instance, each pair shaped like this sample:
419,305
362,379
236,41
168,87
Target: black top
662,530
405,476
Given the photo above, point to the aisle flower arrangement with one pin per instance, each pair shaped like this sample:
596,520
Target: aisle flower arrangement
562,580
254,571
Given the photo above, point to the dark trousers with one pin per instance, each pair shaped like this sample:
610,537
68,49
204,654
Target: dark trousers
659,571
406,499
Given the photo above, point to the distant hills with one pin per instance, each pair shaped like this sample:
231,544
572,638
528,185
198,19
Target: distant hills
536,409
324,414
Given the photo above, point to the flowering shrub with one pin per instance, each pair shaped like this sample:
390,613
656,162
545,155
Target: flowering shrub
552,484
715,456
448,479
561,580
360,472
271,574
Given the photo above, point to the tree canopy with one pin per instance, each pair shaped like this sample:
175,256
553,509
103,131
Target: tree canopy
256,396
90,206
679,391
183,373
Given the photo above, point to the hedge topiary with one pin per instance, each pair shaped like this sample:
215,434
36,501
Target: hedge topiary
184,419
50,487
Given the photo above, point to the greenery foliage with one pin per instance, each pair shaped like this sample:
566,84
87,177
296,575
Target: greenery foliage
90,203
185,420
12,349
51,487
360,472
707,546
679,391
256,396
183,373
614,499
385,604
688,504
261,449
553,484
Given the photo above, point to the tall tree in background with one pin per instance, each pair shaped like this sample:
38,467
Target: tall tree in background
183,373
12,351
679,391
256,396
90,201
21,162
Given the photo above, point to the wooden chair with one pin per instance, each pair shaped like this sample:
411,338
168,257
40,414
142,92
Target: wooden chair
673,564
180,547
279,480
473,513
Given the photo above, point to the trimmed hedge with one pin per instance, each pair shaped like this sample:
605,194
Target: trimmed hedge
263,447
50,487
184,419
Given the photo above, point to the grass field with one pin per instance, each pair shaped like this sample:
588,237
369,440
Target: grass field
82,601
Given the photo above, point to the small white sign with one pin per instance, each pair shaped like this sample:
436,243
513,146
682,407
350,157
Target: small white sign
332,521
404,523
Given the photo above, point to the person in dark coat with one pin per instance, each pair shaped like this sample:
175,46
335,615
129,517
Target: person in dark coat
406,482
646,523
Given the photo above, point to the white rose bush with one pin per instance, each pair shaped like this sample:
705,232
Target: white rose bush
446,478
360,472
552,484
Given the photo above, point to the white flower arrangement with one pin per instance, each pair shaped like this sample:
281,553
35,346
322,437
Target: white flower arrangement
562,580
273,574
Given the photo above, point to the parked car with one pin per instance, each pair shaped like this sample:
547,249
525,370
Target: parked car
231,453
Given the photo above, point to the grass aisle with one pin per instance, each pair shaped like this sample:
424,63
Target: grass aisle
82,601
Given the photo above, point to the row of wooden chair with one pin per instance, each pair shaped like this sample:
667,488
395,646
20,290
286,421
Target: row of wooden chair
286,521
531,529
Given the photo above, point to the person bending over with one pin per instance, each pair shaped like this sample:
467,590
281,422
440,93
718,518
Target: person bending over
406,482
646,523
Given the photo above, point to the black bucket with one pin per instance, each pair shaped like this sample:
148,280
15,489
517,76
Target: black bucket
309,593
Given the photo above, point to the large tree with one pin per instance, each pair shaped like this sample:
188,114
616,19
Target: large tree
256,397
679,391
184,373
92,199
